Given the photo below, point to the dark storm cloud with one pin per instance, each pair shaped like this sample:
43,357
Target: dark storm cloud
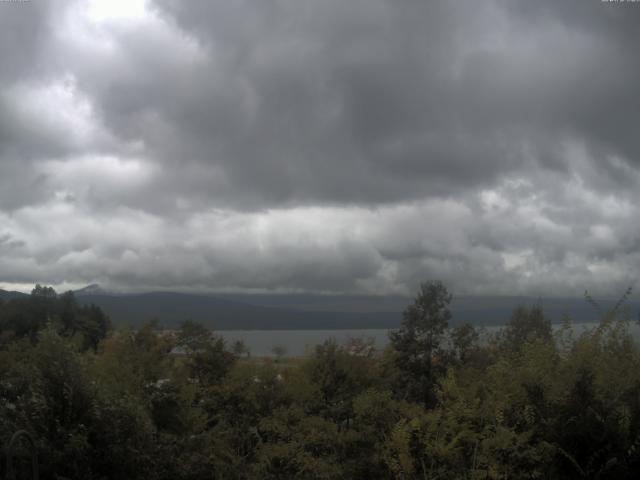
320,145
287,102
319,102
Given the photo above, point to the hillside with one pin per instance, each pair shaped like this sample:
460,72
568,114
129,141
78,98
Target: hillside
8,295
223,314
309,312
299,312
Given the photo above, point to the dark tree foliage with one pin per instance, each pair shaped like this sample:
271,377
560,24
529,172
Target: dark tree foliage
464,341
438,403
417,343
208,359
526,324
338,377
24,318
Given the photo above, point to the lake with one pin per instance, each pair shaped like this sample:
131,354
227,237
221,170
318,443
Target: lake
301,342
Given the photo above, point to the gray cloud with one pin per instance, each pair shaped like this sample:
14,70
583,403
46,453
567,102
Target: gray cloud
320,146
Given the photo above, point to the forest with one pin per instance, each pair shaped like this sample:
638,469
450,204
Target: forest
439,402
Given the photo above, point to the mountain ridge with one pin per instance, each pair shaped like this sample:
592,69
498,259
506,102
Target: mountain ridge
319,312
11,294
307,311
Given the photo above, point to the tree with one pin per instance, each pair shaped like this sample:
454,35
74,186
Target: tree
207,357
25,317
43,292
239,348
88,320
338,377
94,325
525,325
279,351
464,339
417,342
360,346
193,336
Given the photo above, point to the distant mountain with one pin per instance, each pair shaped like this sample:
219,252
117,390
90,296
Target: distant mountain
307,311
221,314
316,312
8,295
93,289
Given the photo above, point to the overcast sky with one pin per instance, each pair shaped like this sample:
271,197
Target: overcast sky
356,146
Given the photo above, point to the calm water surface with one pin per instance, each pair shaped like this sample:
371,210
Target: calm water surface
301,342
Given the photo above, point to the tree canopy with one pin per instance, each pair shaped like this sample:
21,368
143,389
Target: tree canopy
437,402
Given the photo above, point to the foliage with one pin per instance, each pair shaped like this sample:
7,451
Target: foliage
25,317
438,403
207,358
417,344
525,325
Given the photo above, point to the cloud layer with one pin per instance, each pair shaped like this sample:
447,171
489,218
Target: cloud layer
323,145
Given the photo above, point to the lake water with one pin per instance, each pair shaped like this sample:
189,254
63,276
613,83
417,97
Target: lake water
301,342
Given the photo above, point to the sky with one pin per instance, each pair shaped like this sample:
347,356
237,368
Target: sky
320,146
